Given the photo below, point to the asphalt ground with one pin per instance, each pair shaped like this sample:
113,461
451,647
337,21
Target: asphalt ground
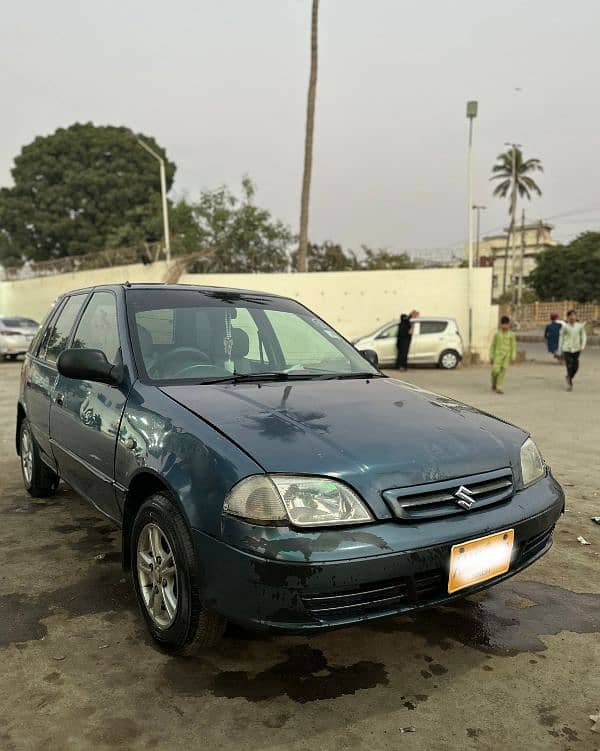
515,667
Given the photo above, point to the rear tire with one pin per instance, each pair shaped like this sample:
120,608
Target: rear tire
166,579
39,480
449,359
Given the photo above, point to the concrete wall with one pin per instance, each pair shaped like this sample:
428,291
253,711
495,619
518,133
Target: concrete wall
354,302
33,297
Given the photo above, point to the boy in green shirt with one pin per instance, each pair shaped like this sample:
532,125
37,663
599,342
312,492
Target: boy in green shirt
502,352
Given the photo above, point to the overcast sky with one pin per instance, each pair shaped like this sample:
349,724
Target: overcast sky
221,84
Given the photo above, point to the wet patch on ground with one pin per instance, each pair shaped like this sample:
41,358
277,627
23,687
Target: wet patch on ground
101,590
304,676
499,623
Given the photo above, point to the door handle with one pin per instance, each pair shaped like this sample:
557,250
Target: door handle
59,399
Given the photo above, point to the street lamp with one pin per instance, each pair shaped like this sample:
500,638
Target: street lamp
478,209
471,115
163,193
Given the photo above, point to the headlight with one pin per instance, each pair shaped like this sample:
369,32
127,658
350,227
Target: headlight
532,464
301,501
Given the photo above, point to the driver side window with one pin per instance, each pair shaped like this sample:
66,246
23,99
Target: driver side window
390,333
98,328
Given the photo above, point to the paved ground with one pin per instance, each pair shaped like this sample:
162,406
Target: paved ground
513,668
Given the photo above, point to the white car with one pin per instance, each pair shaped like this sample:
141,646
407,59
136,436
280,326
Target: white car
435,341
16,334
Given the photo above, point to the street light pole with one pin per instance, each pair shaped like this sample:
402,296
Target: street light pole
163,194
471,115
478,209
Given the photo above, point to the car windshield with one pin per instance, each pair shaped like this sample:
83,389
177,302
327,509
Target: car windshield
19,323
204,335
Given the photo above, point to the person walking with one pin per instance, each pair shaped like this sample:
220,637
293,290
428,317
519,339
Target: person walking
571,343
502,352
552,335
403,338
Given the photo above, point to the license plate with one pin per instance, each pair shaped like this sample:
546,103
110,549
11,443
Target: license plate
478,560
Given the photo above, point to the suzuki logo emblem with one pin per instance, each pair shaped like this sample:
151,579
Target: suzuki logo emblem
464,497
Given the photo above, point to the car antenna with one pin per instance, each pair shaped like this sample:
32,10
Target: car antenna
128,284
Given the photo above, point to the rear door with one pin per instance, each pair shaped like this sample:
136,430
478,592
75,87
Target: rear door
427,341
85,416
40,372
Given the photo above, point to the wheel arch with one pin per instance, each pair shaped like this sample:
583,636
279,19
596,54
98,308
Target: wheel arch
21,415
143,484
447,351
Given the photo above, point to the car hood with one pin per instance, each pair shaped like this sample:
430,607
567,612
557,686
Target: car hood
375,434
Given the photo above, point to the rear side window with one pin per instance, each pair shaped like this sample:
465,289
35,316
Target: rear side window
60,331
98,328
433,327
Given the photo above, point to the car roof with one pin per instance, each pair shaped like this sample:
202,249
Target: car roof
160,285
421,318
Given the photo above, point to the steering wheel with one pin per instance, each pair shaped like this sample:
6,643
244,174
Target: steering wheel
188,369
178,360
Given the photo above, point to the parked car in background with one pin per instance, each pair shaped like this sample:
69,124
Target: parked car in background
16,334
435,341
263,470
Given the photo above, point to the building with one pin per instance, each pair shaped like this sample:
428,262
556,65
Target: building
493,252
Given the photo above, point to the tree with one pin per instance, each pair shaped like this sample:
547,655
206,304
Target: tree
382,259
327,257
243,237
513,172
308,140
569,272
79,190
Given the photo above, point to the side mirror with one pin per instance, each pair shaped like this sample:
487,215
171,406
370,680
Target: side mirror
88,365
371,356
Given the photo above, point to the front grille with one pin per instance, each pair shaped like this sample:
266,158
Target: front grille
437,499
407,592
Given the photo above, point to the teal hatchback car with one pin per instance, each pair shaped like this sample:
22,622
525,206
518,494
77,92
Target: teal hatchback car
263,470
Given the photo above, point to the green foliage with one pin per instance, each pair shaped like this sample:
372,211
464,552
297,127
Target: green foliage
503,171
569,272
375,260
327,256
80,190
242,236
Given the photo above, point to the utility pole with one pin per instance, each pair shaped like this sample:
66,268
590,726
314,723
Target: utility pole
163,194
478,209
471,115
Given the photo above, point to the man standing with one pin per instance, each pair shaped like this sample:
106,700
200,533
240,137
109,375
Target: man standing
571,342
552,334
502,352
403,338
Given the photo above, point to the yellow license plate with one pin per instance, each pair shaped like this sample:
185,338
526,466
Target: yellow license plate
478,560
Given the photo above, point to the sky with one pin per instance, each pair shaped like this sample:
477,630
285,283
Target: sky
222,85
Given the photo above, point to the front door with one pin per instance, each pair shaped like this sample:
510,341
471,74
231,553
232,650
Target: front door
385,344
85,416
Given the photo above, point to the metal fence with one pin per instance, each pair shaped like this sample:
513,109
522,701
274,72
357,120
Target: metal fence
535,314
103,259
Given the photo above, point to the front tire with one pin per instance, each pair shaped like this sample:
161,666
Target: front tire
39,480
449,359
167,580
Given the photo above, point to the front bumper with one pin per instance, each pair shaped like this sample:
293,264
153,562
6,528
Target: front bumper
310,582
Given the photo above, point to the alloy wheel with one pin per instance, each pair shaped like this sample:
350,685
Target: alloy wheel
27,455
157,575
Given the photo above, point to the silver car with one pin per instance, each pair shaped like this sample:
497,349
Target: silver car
16,334
435,341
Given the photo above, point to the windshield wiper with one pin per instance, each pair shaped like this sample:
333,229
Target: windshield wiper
281,375
249,377
340,376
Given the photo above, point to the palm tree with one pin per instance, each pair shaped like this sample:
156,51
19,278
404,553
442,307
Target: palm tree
308,140
512,170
